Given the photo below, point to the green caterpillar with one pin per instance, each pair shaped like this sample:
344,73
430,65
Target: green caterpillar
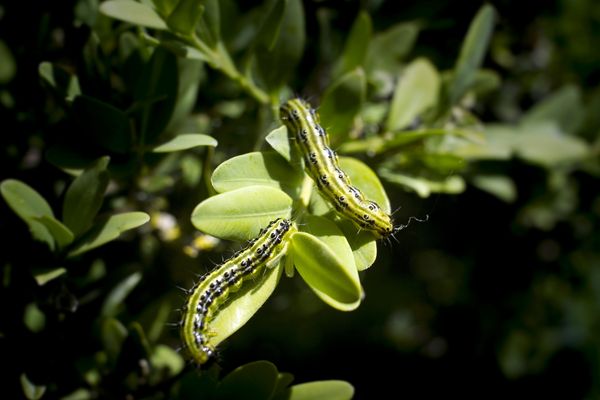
213,289
321,164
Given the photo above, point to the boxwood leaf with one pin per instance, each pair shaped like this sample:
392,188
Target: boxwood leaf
254,380
333,277
133,12
108,229
257,168
84,197
239,214
331,390
185,141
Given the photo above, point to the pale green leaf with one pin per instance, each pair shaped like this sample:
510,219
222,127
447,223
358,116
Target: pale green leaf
423,186
133,12
164,357
257,168
564,107
31,390
45,276
244,303
498,185
330,390
61,234
366,180
388,48
185,141
239,214
108,229
329,275
416,91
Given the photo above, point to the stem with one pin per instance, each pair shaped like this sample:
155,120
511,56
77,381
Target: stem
219,59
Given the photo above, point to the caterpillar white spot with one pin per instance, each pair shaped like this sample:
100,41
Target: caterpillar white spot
321,164
210,292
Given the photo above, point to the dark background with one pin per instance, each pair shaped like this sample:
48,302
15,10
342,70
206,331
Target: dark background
474,303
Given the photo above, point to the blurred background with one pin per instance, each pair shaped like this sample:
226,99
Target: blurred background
497,295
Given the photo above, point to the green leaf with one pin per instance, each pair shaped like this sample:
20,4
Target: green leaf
45,276
186,15
185,141
113,335
156,94
84,196
8,66
357,43
564,107
342,102
544,143
29,206
362,243
209,29
254,380
115,299
257,169
33,318
423,186
388,48
106,125
416,91
500,186
244,303
278,140
31,390
269,31
275,64
164,357
132,12
239,214
61,234
472,53
65,83
108,229
330,390
329,272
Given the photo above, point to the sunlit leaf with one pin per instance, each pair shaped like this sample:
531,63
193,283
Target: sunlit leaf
239,214
185,141
107,230
45,276
133,12
387,49
416,91
61,234
357,43
31,390
257,168
331,390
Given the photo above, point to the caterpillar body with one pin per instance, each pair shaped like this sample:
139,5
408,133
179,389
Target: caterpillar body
321,164
212,291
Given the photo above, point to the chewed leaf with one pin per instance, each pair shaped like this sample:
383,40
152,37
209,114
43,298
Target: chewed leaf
185,141
329,275
238,214
257,169
366,180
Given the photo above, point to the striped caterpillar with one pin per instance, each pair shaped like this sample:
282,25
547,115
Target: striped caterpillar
321,164
212,291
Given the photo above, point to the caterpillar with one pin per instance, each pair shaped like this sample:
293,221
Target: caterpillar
210,292
321,164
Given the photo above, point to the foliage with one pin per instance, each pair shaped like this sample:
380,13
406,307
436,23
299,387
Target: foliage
166,111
